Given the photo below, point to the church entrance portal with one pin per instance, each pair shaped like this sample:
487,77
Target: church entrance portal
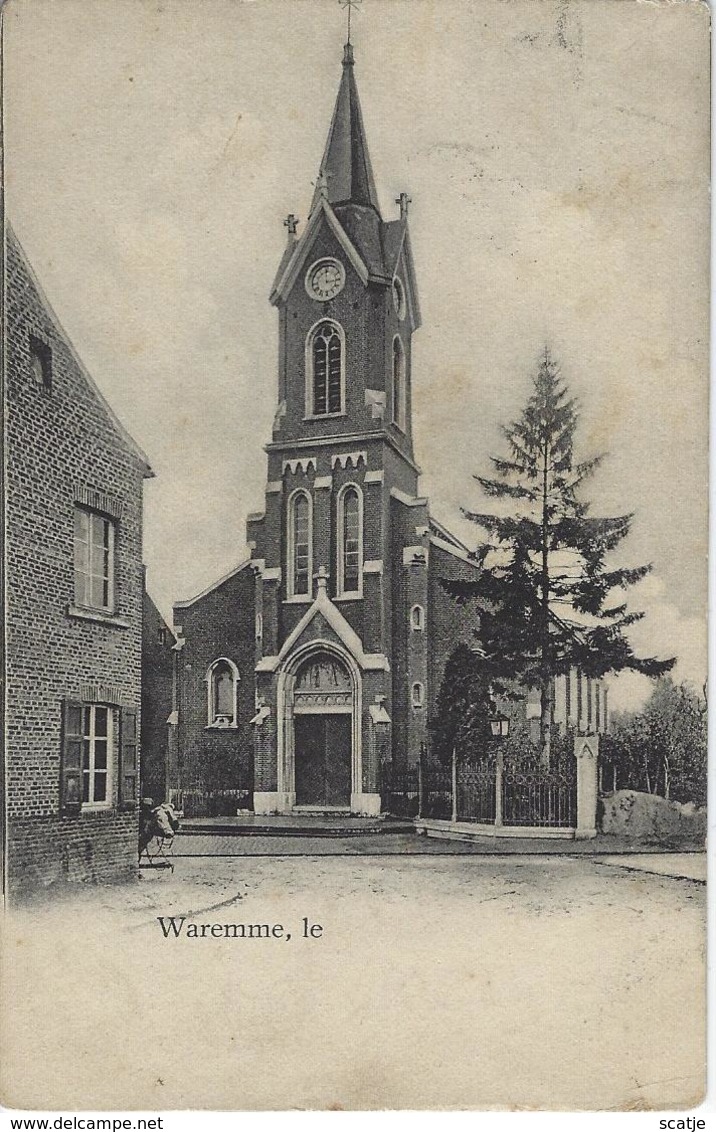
322,711
323,760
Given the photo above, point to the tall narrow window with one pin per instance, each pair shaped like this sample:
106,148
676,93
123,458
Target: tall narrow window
94,560
398,384
350,534
325,363
299,545
96,737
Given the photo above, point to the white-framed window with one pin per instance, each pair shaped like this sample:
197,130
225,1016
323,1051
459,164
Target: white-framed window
417,617
222,682
350,541
398,383
95,536
97,754
417,695
98,762
325,369
300,544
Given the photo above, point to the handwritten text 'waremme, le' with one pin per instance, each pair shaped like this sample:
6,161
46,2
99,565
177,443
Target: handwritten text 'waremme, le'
175,927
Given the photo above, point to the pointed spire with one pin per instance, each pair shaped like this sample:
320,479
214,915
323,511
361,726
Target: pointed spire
346,173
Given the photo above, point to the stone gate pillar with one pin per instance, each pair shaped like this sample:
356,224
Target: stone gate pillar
586,752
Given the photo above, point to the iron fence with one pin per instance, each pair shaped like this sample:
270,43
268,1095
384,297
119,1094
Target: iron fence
436,793
477,792
400,793
539,798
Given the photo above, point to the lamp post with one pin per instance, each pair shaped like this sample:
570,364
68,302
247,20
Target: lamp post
500,729
499,726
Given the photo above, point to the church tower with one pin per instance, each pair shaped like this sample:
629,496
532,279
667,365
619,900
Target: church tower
329,547
309,673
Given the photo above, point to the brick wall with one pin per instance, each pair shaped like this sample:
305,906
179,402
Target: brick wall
63,446
215,772
448,623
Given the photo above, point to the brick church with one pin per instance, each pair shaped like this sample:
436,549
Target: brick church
315,665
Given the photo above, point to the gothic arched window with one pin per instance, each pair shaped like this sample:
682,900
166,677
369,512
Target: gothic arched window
222,687
398,383
300,545
325,365
350,541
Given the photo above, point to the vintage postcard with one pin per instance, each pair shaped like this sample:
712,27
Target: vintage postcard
355,401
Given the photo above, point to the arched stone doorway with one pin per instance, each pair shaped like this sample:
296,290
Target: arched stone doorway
320,740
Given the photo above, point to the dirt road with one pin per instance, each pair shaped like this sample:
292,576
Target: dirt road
435,981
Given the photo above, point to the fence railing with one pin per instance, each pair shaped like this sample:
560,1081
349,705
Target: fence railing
484,792
539,798
477,793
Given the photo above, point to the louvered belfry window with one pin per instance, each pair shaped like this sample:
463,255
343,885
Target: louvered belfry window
327,366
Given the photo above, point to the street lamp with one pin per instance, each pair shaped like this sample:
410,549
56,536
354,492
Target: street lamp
500,729
499,725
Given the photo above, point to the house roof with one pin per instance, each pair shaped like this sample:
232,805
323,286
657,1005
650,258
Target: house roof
214,586
119,428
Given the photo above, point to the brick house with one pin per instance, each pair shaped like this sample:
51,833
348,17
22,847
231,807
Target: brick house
73,574
308,675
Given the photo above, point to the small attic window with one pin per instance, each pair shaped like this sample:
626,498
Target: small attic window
41,363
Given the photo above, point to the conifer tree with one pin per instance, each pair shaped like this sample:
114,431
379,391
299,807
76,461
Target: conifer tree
548,583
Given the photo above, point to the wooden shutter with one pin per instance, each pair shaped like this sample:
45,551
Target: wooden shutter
128,759
71,760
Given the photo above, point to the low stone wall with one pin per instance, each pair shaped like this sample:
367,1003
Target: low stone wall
647,818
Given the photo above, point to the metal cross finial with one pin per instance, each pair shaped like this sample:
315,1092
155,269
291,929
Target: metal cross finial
404,201
350,5
291,222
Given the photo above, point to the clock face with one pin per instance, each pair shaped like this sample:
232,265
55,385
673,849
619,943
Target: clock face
325,279
398,298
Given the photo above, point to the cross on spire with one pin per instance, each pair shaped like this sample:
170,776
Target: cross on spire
291,222
350,5
404,201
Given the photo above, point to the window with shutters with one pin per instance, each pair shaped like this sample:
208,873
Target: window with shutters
299,545
96,771
325,370
222,683
350,541
87,757
95,536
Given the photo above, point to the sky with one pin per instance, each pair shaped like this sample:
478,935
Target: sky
556,153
